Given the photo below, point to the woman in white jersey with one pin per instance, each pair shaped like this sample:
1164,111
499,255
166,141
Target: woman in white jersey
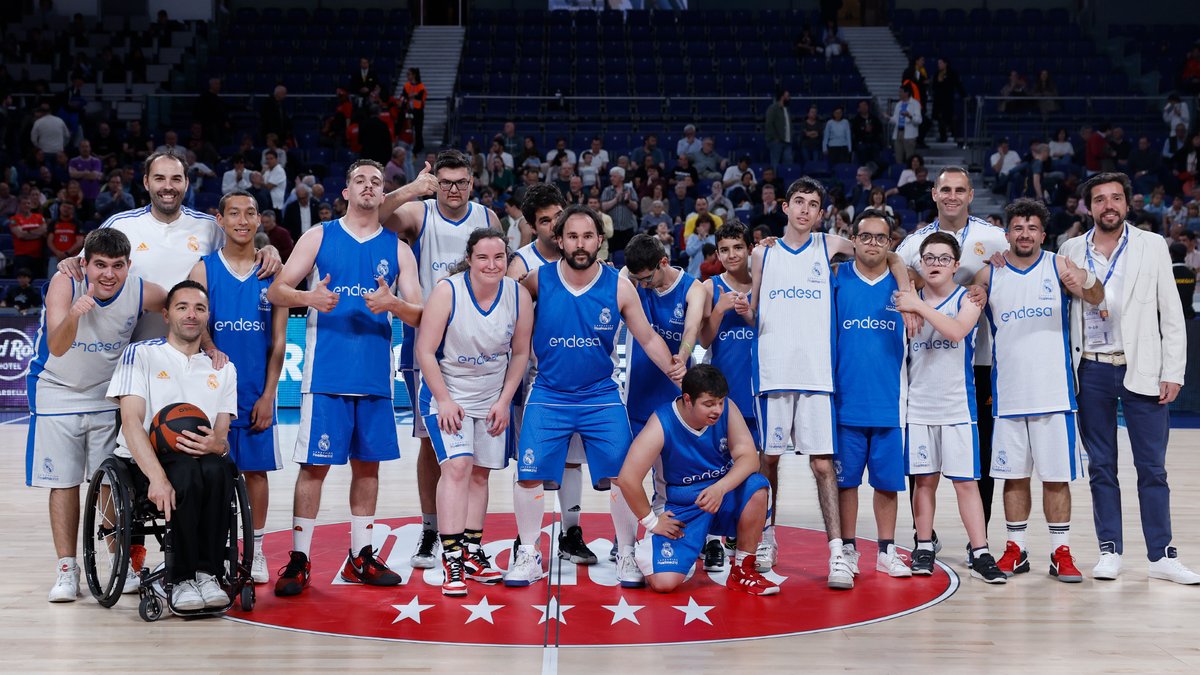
472,349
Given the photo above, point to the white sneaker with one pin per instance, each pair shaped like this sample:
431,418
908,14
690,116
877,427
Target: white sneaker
765,556
258,569
211,591
1169,568
526,569
1108,567
890,561
186,597
66,587
132,581
627,570
841,577
851,556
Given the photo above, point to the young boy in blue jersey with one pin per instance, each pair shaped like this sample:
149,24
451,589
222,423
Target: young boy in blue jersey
244,325
871,384
707,459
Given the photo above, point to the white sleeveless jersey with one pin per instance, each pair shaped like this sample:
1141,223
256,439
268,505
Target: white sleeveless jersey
941,379
442,243
476,347
1031,357
794,349
530,256
76,382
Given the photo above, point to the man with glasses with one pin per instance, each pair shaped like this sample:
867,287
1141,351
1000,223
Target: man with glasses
438,229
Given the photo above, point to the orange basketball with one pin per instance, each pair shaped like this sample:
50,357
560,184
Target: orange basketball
170,422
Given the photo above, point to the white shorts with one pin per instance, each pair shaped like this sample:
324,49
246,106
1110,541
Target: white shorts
473,439
1048,442
62,451
949,449
804,418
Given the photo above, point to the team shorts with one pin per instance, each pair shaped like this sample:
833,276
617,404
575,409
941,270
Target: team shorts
335,429
575,453
879,448
412,381
255,450
656,553
545,438
62,451
1048,443
472,440
804,418
949,449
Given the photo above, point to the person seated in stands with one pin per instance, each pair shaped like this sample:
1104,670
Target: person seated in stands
709,164
23,296
1003,162
1016,87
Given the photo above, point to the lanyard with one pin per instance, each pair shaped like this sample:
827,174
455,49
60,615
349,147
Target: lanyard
1112,264
962,239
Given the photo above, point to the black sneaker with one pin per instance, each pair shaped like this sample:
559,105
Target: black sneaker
612,553
572,547
922,562
365,568
714,556
984,567
293,578
424,557
731,547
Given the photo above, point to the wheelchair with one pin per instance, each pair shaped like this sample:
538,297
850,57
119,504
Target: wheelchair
118,510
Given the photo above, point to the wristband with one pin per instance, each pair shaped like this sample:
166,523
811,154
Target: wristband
686,347
1090,281
650,521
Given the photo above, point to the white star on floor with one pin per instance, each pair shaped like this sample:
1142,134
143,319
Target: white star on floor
555,611
410,611
623,611
483,610
693,612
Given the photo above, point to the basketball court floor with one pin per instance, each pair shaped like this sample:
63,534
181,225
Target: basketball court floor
584,622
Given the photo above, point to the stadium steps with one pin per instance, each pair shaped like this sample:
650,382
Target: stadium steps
879,58
437,51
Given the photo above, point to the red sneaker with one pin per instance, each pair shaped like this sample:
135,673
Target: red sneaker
1014,560
1062,566
364,568
452,569
746,578
137,557
479,566
294,577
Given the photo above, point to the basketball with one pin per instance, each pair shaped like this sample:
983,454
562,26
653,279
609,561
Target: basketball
170,422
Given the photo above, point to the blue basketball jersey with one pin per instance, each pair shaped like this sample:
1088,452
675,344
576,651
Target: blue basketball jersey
349,350
647,387
574,340
869,374
730,352
691,459
239,322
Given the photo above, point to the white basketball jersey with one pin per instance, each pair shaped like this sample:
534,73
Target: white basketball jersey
442,243
531,257
77,381
1031,357
941,379
794,350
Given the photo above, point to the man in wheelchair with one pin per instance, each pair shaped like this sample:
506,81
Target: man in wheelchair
191,486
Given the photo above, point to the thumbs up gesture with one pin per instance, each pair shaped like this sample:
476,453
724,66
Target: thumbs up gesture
380,299
1072,276
427,181
85,303
321,298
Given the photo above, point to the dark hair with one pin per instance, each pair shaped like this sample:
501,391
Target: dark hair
239,159
108,242
942,238
733,229
886,217
1027,208
538,197
766,232
451,159
805,185
643,253
704,378
478,235
708,249
23,272
952,169
185,284
416,73
235,193
362,162
1090,184
1178,252
705,218
156,156
577,209
271,153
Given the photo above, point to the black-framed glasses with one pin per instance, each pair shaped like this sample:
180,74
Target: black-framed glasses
865,238
930,260
448,185
646,280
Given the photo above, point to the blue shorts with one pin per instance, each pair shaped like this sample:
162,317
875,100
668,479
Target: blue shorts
335,429
255,450
546,435
879,448
678,555
412,382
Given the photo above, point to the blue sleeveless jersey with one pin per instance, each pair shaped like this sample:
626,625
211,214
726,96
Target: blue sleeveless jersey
647,387
730,352
349,350
691,460
869,374
239,322
574,340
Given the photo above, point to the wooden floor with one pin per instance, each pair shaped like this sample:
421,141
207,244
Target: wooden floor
1032,624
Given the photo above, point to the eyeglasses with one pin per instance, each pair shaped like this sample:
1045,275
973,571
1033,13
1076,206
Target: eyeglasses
449,185
865,238
646,280
930,260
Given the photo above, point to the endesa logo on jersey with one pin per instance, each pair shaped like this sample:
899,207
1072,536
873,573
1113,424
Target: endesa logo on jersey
1026,313
669,335
933,343
443,265
98,346
795,293
355,291
240,326
746,333
575,342
869,323
481,359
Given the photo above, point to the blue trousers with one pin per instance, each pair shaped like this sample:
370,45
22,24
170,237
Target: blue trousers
1100,387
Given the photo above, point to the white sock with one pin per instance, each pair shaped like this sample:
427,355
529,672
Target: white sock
711,537
570,494
1060,535
624,522
258,539
429,521
529,506
835,547
360,532
69,561
302,533
925,545
769,534
739,557
1016,532
982,550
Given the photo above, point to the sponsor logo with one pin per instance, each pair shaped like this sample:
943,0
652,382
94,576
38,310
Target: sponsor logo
162,375
98,346
869,323
212,382
1026,313
795,293
355,291
442,265
240,326
669,335
746,333
575,342
481,359
142,247
382,269
193,244
934,343
16,351
706,476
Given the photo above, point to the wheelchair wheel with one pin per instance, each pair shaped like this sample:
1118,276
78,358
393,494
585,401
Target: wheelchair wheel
241,524
150,608
107,528
247,597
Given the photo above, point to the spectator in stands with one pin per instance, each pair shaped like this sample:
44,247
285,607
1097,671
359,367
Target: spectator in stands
503,180
689,144
919,192
498,151
529,154
28,229
24,295
566,171
771,177
301,214
658,191
1176,214
718,204
733,173
274,117
836,138
701,206
832,40
654,216
212,113
650,149
279,237
867,134
758,234
197,173
559,152
413,99
325,212
509,139
861,192
237,178
86,168
274,179
1099,153
65,239
620,202
1189,75
1120,148
683,172
1046,94
917,79
1041,180
1061,148
1174,144
199,144
170,145
646,176
779,130
1003,162
1157,205
576,194
373,135
907,120
709,165
104,144
680,203
363,81
944,87
114,199
662,232
1144,166
703,234
1062,220
1176,112
593,203
599,155
1187,165
1015,88
909,174
8,202
394,171
812,129
530,176
1192,221
49,132
1185,279
479,163
769,213
741,195
272,143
